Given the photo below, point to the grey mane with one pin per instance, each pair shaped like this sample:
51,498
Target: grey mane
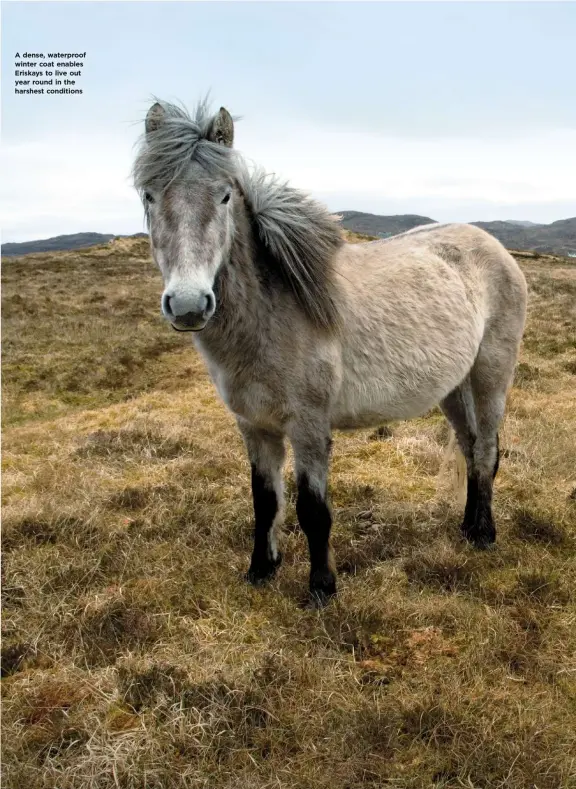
302,238
299,234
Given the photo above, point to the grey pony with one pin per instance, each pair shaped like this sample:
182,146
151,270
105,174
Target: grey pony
303,333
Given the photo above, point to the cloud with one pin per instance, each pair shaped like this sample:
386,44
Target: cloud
68,184
539,167
73,183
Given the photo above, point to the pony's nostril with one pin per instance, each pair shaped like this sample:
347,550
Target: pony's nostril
167,309
210,303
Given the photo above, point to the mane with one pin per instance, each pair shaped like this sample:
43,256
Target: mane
299,234
302,239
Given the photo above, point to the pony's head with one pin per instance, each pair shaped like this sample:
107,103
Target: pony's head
184,172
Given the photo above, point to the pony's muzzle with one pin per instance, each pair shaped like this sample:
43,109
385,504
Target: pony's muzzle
189,312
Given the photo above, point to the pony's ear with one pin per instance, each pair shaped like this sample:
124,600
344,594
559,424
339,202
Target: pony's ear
222,128
154,118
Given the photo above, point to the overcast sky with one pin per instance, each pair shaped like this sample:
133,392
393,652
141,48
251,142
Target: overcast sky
458,111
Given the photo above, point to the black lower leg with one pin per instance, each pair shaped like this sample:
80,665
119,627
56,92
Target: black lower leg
264,563
471,500
478,525
316,521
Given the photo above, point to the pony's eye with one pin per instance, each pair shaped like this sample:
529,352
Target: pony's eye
226,198
148,197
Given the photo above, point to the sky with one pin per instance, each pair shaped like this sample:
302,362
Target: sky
460,111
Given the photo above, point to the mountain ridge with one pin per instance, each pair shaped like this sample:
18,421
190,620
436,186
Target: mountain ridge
556,238
62,243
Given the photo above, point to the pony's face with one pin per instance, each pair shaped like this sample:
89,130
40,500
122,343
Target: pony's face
191,227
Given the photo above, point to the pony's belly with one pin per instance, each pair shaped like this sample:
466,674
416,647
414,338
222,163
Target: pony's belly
406,368
355,410
375,397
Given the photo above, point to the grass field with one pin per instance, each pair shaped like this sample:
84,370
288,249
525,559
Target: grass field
134,655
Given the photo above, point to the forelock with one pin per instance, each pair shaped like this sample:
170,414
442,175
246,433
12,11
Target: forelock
165,153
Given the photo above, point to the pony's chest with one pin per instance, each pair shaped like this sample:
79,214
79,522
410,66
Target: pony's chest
251,399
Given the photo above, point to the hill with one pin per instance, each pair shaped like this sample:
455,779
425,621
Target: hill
557,238
376,225
134,653
59,243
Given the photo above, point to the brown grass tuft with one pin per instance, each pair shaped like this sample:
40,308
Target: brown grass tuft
111,623
443,569
140,682
533,527
13,657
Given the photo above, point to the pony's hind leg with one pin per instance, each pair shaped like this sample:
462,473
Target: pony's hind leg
266,453
475,410
459,409
490,378
312,445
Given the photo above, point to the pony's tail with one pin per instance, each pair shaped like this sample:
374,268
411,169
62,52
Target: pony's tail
454,457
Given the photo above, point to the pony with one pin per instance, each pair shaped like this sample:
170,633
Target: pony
303,333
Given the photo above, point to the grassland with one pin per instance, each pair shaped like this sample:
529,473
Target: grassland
134,654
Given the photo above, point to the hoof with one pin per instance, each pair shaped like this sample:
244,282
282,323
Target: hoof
264,570
322,588
481,534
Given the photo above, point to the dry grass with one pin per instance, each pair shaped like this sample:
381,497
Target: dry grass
134,655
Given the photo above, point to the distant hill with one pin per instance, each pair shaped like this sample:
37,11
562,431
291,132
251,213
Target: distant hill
376,225
557,238
59,243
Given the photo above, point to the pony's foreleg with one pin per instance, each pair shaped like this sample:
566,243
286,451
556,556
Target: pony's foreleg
266,453
311,457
